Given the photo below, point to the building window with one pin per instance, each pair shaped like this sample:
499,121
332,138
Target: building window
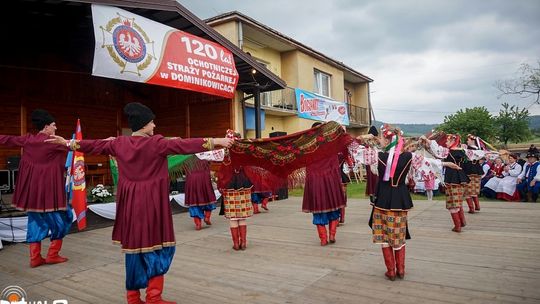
322,83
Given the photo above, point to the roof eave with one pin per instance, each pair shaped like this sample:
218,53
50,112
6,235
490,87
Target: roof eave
171,5
235,15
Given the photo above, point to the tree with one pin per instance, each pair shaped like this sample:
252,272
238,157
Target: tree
527,85
512,124
476,121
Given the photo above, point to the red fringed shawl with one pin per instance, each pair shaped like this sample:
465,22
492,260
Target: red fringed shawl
280,156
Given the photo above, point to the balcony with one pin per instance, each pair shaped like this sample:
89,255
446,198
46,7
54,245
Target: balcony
283,103
280,102
358,116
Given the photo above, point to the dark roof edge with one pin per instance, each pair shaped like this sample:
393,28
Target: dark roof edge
237,15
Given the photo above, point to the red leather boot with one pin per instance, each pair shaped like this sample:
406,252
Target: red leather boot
265,203
235,238
255,208
333,229
35,255
52,256
134,297
321,229
457,222
476,203
342,215
154,290
243,236
390,262
400,262
462,217
207,215
198,223
470,204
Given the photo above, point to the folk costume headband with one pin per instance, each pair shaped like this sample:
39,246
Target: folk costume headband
456,138
394,150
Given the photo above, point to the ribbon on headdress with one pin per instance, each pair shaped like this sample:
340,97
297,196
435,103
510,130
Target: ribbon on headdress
394,150
484,145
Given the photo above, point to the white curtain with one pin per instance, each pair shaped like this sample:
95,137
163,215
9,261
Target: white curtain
107,210
13,229
181,198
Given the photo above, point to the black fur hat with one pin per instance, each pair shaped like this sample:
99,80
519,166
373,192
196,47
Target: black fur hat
532,152
373,131
41,118
138,115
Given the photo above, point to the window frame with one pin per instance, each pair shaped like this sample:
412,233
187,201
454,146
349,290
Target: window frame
318,77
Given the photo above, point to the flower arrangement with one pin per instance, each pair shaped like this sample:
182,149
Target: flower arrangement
102,194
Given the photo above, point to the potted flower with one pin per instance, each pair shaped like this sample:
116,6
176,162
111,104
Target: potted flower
101,194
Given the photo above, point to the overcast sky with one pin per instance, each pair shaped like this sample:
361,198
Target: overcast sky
428,58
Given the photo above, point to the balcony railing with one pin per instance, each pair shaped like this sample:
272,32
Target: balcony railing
358,115
280,99
285,101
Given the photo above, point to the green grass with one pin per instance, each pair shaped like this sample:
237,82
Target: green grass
355,190
533,140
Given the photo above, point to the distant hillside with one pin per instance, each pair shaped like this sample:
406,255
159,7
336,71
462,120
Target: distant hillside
412,129
419,129
534,122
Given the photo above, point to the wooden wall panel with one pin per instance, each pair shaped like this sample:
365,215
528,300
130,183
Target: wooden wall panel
210,119
98,102
10,124
170,110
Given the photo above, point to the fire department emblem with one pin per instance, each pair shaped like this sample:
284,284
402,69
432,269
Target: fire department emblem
78,173
127,44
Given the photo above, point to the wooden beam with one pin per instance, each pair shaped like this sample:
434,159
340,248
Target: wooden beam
118,121
188,122
24,127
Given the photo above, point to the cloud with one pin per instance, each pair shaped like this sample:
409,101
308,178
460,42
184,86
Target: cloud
428,58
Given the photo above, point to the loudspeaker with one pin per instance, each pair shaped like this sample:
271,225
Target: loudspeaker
277,134
283,193
178,186
13,162
14,175
5,180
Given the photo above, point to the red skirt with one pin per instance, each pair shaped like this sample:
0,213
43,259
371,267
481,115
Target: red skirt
514,198
323,191
371,181
199,190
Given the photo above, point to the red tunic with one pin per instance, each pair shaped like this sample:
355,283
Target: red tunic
199,190
143,212
40,183
322,191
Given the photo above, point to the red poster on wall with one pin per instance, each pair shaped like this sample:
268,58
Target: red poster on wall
131,47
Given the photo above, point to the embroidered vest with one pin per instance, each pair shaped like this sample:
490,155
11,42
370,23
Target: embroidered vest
530,171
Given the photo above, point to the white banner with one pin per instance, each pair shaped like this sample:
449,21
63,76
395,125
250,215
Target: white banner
317,107
123,49
131,47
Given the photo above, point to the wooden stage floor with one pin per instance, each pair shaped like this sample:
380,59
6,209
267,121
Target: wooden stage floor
496,259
